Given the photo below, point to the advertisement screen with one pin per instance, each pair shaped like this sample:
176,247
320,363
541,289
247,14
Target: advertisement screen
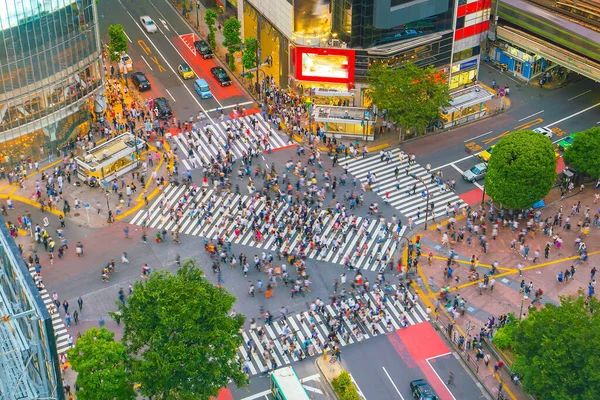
325,64
312,17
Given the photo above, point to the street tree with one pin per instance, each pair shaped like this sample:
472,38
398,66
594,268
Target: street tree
117,42
584,153
232,39
210,17
410,95
249,56
180,335
100,363
556,350
521,170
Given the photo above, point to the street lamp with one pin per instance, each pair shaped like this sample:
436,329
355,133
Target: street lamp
198,14
522,301
427,191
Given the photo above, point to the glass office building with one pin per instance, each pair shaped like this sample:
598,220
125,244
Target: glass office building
50,66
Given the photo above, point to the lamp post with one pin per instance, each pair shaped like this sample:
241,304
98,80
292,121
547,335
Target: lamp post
522,301
197,14
426,191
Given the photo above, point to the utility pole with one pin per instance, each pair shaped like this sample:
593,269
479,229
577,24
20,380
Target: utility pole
258,55
198,15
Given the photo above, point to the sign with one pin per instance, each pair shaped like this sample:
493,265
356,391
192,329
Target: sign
468,64
324,64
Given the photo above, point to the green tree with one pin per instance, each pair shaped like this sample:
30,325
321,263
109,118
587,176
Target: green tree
232,39
584,153
557,350
249,55
344,387
100,363
117,44
521,170
411,95
210,17
181,341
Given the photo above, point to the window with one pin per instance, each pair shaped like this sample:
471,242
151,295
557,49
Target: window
396,3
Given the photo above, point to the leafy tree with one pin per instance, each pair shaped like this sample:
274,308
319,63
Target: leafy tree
584,153
557,350
210,17
503,339
411,95
249,55
100,363
521,170
344,387
181,341
233,40
117,44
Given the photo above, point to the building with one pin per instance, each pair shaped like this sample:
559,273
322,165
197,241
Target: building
29,366
50,67
328,45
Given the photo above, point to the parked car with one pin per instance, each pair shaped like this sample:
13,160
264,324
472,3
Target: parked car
204,49
567,142
127,62
148,24
421,390
544,131
162,109
140,81
201,87
221,76
185,71
475,173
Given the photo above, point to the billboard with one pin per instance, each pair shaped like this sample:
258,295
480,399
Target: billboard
324,64
312,17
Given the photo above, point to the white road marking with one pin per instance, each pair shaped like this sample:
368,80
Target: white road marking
438,375
315,377
127,36
312,389
460,171
165,24
167,90
393,384
258,395
231,106
532,115
468,140
572,115
360,392
579,95
148,64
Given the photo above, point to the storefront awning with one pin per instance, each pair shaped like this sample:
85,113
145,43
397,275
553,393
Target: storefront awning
468,97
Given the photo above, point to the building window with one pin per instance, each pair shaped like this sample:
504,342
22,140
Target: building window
396,3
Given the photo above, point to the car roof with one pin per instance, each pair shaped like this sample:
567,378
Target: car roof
140,74
184,65
218,68
480,165
161,100
146,17
201,82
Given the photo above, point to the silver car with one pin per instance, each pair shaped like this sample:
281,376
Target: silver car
148,24
475,173
544,131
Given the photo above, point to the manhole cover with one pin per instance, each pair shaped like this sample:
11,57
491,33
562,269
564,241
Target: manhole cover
76,215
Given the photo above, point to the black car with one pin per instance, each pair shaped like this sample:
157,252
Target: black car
162,109
221,76
204,49
422,391
140,81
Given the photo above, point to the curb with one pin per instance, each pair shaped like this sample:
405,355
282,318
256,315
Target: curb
329,385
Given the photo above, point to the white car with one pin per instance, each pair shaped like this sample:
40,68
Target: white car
544,131
148,24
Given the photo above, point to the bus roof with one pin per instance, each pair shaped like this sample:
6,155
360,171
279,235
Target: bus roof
289,383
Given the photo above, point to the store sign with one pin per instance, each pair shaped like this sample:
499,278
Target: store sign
468,64
324,64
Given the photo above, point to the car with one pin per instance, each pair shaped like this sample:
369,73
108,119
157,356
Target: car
544,131
140,81
486,154
475,173
421,390
221,76
127,62
567,142
148,24
162,109
204,49
201,87
185,71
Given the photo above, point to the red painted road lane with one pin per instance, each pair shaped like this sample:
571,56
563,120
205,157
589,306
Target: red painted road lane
202,68
473,196
248,112
224,394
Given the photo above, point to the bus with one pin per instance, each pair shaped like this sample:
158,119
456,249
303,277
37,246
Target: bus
285,385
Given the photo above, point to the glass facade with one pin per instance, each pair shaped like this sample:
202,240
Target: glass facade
50,65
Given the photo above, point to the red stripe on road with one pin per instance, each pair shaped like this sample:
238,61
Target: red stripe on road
248,112
224,394
281,148
473,196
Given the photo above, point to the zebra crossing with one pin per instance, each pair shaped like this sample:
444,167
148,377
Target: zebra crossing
60,330
368,250
281,341
193,158
409,204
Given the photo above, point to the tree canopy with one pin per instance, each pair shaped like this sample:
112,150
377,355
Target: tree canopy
521,170
249,54
117,42
584,153
232,39
411,95
181,340
100,363
210,17
556,350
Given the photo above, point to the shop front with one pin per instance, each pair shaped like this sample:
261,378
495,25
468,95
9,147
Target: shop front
464,73
345,122
466,105
522,64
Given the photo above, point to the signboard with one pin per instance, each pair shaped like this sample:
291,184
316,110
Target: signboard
468,64
324,64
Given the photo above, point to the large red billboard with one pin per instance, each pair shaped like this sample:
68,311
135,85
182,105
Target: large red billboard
319,64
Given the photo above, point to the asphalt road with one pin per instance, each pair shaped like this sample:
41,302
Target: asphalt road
159,54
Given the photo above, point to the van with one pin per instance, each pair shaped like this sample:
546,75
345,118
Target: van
202,89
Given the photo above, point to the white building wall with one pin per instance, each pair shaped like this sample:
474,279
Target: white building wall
279,13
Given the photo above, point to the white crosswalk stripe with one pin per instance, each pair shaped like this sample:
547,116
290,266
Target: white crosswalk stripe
283,341
372,236
60,330
401,196
193,157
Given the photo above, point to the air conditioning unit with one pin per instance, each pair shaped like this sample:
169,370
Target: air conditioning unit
89,158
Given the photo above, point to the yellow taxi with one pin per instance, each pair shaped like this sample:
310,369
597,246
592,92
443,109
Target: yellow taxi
486,154
185,71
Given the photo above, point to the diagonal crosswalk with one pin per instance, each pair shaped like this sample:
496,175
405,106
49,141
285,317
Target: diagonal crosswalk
400,191
306,333
253,132
366,242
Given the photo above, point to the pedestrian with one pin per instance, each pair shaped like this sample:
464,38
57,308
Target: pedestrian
126,231
450,379
593,273
80,303
66,306
76,317
68,319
